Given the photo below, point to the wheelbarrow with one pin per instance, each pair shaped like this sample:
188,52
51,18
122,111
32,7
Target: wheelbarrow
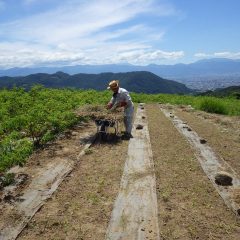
104,125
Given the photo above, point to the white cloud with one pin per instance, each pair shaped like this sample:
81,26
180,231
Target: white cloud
80,32
201,55
149,56
22,54
75,20
227,55
230,55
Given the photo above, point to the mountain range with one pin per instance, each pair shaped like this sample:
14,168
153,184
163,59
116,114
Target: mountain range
140,81
206,67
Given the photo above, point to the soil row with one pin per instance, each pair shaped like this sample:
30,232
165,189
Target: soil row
189,206
82,205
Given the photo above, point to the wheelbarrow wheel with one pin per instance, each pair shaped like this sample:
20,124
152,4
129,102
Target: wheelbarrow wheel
103,136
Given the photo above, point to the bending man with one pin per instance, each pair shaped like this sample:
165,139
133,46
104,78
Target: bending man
121,98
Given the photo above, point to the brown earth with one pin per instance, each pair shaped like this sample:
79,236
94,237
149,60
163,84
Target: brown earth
67,145
82,205
189,206
221,132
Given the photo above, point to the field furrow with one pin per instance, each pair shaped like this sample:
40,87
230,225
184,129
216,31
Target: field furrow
189,206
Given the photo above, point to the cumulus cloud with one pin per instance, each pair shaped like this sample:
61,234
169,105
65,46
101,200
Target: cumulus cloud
22,54
149,56
86,32
230,55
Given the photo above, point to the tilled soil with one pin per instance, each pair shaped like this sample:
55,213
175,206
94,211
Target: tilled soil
221,132
67,145
189,206
82,205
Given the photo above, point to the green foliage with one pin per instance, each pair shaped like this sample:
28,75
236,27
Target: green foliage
14,150
213,106
228,105
6,179
31,118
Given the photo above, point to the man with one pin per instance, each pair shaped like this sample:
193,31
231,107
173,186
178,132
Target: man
121,98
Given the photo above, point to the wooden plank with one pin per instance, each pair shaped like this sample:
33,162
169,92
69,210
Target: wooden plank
44,183
210,163
135,214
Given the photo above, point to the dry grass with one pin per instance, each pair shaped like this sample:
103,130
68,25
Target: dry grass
82,206
100,112
221,132
189,206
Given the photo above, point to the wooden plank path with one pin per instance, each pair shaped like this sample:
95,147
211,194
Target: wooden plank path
135,214
45,182
210,163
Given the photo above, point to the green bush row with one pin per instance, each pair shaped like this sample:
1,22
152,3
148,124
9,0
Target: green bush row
31,118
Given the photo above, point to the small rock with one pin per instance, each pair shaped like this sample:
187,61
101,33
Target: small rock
74,133
139,126
223,178
238,212
143,229
202,141
189,129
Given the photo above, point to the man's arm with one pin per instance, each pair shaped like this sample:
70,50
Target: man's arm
110,104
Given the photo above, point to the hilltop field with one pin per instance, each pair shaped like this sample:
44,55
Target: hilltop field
44,131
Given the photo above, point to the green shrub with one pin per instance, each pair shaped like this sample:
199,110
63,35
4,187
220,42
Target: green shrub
6,179
213,106
14,150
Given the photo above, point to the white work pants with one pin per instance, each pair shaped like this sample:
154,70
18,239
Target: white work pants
128,118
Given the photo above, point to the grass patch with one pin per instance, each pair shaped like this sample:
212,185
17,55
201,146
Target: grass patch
88,151
6,180
213,106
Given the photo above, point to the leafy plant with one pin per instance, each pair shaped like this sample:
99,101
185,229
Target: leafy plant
213,106
7,179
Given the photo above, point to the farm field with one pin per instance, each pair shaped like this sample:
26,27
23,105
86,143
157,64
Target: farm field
189,207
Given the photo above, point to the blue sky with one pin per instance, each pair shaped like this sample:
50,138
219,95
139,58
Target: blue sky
141,32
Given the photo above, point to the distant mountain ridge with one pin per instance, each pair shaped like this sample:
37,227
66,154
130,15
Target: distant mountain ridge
145,82
233,91
206,67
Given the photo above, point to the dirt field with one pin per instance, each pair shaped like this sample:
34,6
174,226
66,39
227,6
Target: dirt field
82,206
221,132
189,206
